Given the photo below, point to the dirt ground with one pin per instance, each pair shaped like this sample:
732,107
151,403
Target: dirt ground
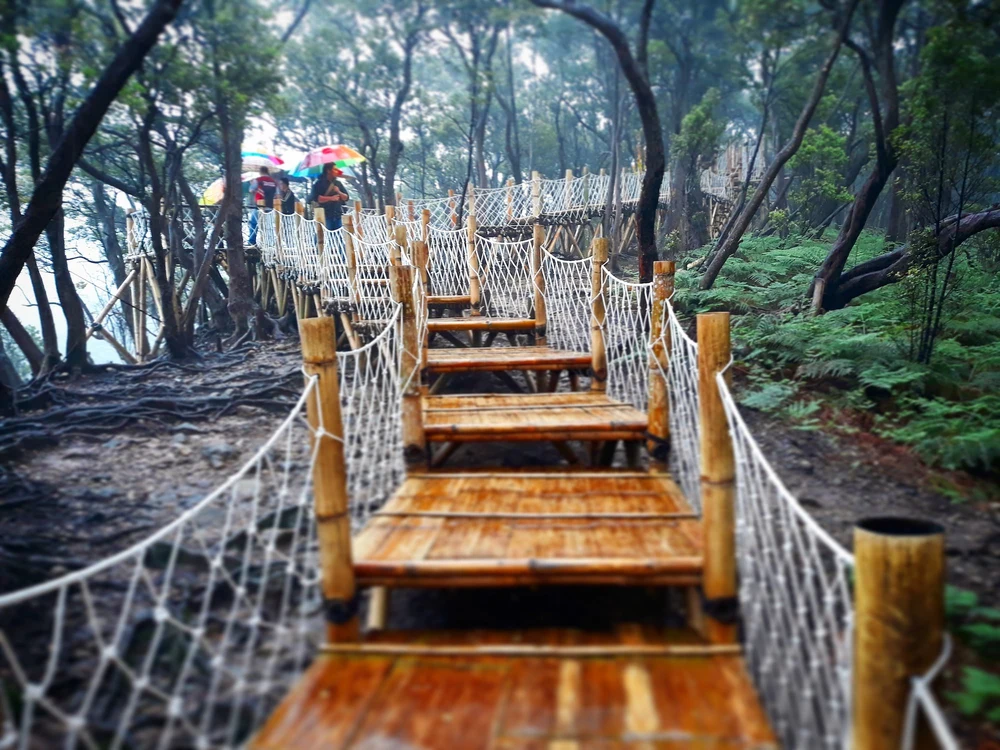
88,494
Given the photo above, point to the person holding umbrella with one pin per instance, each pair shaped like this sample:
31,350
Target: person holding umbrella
331,195
261,189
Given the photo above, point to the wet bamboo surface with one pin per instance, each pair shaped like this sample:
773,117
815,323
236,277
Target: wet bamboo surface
480,323
489,359
531,417
508,529
555,695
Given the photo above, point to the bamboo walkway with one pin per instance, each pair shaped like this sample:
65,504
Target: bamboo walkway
584,521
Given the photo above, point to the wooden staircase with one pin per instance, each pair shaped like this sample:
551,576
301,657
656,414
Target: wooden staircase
628,687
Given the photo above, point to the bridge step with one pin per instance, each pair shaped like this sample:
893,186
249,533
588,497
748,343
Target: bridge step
523,689
512,528
500,358
480,323
447,300
531,417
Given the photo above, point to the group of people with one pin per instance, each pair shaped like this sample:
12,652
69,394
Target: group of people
328,193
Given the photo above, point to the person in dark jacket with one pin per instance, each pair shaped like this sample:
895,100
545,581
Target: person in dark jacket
288,198
331,195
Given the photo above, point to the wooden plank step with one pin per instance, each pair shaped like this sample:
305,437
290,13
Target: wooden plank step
509,529
611,696
447,300
500,358
531,417
480,323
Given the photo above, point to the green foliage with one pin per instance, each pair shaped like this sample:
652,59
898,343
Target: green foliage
819,164
701,130
859,357
980,694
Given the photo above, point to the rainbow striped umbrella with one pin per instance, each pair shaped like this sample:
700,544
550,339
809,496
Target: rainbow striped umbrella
339,155
214,192
256,160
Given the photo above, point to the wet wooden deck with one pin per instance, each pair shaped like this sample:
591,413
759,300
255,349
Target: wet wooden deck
509,528
499,691
492,359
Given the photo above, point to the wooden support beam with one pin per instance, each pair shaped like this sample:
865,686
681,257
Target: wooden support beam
111,303
475,287
536,195
599,357
717,481
333,525
658,444
400,247
414,440
899,625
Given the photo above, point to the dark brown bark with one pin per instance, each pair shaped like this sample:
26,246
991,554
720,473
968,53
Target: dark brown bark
884,103
645,102
24,341
46,199
892,266
409,43
787,151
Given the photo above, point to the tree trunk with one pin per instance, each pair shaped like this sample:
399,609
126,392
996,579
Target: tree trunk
241,305
24,341
732,243
46,199
72,307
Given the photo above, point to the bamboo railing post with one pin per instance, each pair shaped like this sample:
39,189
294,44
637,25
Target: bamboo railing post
541,317
717,481
414,440
536,195
277,223
475,287
357,218
509,199
410,210
658,444
352,266
425,225
598,354
451,208
390,223
420,260
142,345
333,525
400,246
320,215
569,189
899,625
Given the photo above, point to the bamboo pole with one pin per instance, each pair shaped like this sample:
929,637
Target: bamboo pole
541,318
277,224
475,287
333,526
352,264
142,345
899,625
425,225
414,439
586,188
320,215
509,199
536,194
410,210
111,303
400,246
154,286
568,201
130,231
451,207
717,475
390,233
658,443
598,354
116,345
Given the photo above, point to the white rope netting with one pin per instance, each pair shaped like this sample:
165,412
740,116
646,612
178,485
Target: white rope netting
334,281
448,262
505,277
627,339
371,279
682,390
187,639
568,308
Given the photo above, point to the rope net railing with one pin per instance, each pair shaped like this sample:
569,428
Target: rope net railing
448,261
682,392
505,277
627,339
192,636
568,303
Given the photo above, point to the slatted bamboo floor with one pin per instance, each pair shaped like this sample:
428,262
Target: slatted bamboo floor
479,323
552,689
531,417
461,529
495,358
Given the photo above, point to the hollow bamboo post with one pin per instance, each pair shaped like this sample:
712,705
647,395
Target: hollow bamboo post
400,247
352,264
717,481
899,624
414,440
333,526
451,207
658,444
111,303
410,210
277,223
390,224
586,187
425,225
320,224
509,199
475,287
536,194
598,354
357,218
541,317
141,345
420,260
